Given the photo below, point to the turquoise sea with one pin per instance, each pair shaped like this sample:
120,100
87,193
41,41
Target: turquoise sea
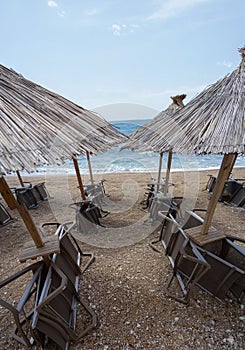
116,161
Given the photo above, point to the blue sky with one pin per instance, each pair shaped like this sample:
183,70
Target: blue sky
110,54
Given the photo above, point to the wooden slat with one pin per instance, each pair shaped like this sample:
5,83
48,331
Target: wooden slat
30,251
195,234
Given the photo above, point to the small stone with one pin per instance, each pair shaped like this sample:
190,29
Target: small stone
230,340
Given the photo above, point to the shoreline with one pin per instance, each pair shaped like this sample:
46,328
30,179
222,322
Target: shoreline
178,170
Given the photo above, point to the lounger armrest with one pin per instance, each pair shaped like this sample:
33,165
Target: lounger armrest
20,273
37,267
69,225
170,219
42,226
199,209
19,188
235,238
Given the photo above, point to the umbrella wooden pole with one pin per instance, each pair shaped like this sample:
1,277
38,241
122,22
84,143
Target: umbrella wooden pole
232,166
225,170
20,178
24,213
90,168
159,171
79,178
170,156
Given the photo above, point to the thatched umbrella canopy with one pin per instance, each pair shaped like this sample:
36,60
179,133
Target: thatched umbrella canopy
212,122
147,137
40,127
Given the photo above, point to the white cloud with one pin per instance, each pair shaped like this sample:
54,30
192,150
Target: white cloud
172,8
116,28
123,29
52,3
225,63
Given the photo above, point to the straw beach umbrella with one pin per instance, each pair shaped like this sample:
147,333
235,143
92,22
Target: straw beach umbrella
40,127
146,137
212,123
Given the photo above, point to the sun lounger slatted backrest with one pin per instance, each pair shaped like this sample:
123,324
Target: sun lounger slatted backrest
40,187
232,186
88,217
238,200
26,196
233,192
32,196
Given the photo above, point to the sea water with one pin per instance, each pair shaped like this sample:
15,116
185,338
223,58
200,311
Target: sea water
117,161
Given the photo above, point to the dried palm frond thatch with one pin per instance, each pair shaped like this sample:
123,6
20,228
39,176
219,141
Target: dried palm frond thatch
39,127
148,136
213,121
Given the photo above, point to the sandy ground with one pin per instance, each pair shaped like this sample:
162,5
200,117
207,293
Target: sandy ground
125,283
